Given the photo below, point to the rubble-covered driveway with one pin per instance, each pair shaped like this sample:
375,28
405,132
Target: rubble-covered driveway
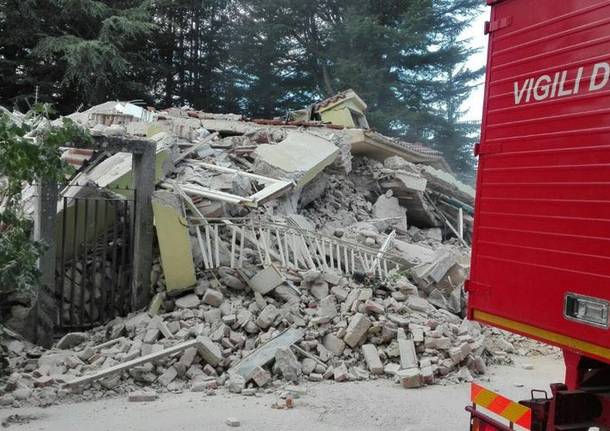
354,406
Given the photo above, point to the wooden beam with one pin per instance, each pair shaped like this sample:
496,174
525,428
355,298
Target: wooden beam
134,362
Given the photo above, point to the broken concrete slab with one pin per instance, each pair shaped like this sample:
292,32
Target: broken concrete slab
413,253
371,357
162,326
445,183
408,355
209,351
411,378
327,309
188,301
300,157
356,330
213,297
388,207
288,364
271,187
265,353
266,280
433,271
168,376
115,172
406,188
376,146
419,304
267,316
334,344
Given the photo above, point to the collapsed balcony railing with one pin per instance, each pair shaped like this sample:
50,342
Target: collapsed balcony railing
288,246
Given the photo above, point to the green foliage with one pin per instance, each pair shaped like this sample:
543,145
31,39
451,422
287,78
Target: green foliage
28,153
398,55
75,52
18,256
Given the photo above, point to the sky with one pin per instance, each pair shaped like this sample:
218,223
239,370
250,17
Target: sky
474,105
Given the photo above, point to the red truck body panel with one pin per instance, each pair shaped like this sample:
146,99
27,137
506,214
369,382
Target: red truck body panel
542,222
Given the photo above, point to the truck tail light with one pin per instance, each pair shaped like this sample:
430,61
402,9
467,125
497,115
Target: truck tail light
587,310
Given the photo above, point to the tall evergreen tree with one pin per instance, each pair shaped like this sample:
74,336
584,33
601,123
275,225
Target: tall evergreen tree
453,136
194,40
400,56
19,33
256,57
81,52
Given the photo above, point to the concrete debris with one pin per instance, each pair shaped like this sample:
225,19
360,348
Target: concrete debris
388,207
188,301
260,376
213,297
209,351
71,340
265,353
288,364
233,422
266,280
162,353
408,355
410,378
142,396
300,157
356,330
294,250
371,357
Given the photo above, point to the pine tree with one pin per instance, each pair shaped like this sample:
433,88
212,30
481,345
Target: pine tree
453,136
256,57
194,40
79,52
19,29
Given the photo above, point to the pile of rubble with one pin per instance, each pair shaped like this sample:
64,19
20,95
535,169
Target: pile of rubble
336,329
285,250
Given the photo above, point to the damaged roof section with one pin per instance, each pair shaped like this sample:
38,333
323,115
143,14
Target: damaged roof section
227,159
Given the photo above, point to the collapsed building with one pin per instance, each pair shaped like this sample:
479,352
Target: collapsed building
303,248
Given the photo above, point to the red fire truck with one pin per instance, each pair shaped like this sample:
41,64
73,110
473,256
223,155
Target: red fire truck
541,243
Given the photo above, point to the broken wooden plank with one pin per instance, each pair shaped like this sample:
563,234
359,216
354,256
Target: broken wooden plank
108,344
134,362
308,355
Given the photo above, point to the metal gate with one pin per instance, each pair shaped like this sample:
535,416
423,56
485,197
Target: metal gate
94,261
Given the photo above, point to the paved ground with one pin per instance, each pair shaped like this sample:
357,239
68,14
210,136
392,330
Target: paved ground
358,406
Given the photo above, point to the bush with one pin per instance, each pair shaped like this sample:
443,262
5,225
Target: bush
29,151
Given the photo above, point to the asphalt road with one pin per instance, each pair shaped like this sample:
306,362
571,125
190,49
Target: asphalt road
356,406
